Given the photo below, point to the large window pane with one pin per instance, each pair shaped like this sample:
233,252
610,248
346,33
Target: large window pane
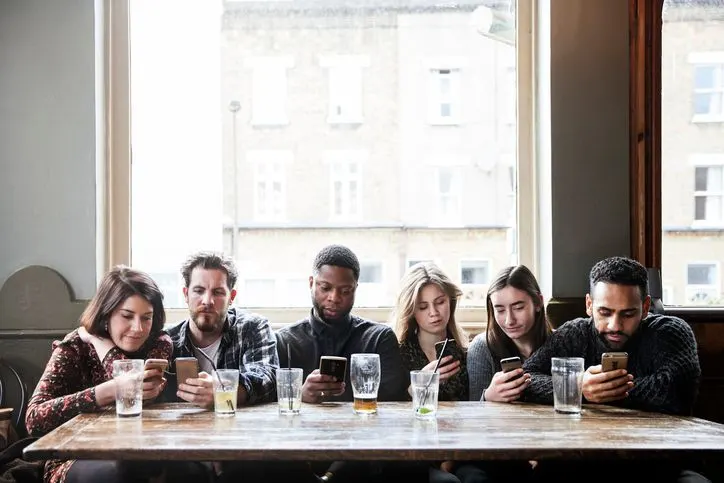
692,122
271,129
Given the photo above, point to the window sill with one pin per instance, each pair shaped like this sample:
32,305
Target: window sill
472,319
270,122
445,122
707,118
345,120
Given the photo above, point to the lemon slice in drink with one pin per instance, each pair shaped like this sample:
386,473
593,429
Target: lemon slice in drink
424,410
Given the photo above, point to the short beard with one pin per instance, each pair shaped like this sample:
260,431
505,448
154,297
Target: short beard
207,325
320,313
607,344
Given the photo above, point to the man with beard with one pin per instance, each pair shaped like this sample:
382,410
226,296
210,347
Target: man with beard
662,374
221,337
331,330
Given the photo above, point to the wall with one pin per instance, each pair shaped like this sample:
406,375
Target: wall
48,139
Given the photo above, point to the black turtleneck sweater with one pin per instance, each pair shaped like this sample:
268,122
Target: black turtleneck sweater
311,338
662,357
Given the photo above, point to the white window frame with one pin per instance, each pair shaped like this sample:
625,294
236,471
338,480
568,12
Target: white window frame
376,288
345,87
487,261
269,158
708,161
114,187
714,288
344,159
457,189
269,110
713,59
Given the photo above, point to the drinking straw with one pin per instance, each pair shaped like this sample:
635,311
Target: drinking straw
289,374
437,365
218,378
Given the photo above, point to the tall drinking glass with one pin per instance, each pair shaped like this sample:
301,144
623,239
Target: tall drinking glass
128,376
364,373
567,375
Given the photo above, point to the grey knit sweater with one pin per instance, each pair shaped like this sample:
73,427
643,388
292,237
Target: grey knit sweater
481,367
662,358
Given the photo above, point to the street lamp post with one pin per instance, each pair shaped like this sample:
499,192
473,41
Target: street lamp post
234,108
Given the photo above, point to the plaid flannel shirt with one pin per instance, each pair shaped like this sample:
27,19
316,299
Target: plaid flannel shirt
247,344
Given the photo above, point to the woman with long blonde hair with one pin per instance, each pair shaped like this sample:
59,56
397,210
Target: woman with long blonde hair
425,315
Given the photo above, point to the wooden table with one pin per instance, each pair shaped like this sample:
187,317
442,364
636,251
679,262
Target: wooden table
463,430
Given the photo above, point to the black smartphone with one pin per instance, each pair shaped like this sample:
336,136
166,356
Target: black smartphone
510,363
333,366
449,348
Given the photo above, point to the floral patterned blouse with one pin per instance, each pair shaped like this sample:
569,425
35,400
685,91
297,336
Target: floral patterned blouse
67,388
414,358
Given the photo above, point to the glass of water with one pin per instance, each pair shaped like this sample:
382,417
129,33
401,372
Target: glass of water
364,374
567,375
289,390
425,386
128,376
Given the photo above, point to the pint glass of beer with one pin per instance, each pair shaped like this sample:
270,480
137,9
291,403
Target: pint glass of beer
364,374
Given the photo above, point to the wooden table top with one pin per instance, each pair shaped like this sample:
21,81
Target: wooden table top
462,430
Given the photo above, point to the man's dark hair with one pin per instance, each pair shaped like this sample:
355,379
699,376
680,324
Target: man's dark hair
620,271
337,256
210,261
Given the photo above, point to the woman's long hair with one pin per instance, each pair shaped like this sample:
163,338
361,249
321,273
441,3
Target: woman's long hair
117,285
417,277
499,344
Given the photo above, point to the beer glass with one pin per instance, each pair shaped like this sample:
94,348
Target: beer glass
365,376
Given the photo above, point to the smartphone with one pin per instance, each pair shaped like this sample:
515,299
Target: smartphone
161,364
449,348
333,366
510,363
186,368
610,361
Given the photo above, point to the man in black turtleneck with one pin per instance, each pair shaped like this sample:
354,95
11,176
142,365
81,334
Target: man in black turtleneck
331,330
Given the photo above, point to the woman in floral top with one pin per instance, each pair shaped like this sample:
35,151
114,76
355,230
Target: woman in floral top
124,320
425,315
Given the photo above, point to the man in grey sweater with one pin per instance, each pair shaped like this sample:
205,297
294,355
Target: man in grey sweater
663,365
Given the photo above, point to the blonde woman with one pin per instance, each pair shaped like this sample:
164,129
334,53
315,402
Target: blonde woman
425,315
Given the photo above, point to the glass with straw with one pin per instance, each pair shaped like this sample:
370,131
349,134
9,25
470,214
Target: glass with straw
424,386
226,385
289,387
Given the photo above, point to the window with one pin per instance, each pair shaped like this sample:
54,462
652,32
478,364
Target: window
702,283
328,141
692,150
444,96
474,272
345,178
258,292
709,195
269,184
413,261
371,287
708,84
345,88
269,90
449,194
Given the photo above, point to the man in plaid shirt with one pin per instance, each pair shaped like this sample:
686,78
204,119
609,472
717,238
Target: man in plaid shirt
220,337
